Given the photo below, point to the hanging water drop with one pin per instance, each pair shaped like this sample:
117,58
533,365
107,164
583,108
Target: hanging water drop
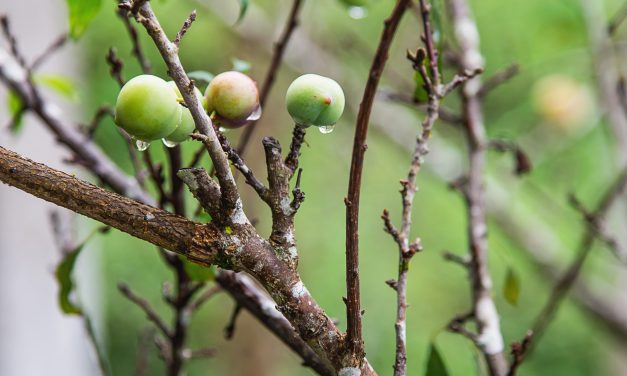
141,145
255,115
326,129
357,13
168,143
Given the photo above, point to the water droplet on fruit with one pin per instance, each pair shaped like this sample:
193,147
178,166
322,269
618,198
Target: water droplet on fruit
357,13
141,145
256,114
168,143
326,129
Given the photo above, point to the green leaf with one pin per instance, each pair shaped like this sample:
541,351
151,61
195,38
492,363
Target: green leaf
61,84
420,93
435,364
16,109
198,273
63,273
511,288
243,7
242,66
81,13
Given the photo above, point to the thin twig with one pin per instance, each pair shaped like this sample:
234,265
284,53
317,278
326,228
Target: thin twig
186,25
354,340
150,312
277,57
56,45
498,79
519,352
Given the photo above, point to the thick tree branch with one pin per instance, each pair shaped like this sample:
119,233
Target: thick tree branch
354,341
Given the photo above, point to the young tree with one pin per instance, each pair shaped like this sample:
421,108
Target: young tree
261,273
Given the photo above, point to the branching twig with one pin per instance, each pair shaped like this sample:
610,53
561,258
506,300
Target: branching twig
150,312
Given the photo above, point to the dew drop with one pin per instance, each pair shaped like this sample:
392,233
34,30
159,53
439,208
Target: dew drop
223,129
326,129
141,145
357,13
256,114
168,143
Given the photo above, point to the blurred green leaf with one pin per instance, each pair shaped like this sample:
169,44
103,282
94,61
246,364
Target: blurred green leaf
81,12
243,8
198,273
435,364
420,93
16,110
511,288
63,273
61,84
241,65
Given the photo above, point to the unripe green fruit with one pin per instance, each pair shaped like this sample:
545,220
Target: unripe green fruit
187,125
147,108
233,97
315,100
355,3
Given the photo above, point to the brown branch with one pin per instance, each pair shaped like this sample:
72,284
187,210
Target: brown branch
16,78
137,50
49,51
242,249
230,198
116,65
277,57
247,295
489,337
519,352
568,278
186,25
354,341
498,79
8,35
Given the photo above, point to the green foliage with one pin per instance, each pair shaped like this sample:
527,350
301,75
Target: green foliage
61,84
81,13
15,106
511,287
243,8
435,364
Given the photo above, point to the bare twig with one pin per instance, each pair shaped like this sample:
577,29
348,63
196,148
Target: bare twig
56,44
137,51
519,351
498,79
489,338
186,25
277,56
354,341
8,34
150,312
116,65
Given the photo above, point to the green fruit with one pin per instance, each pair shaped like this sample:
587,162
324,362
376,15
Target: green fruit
147,108
187,125
315,100
355,3
232,97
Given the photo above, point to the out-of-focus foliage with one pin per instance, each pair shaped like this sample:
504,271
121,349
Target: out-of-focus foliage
543,37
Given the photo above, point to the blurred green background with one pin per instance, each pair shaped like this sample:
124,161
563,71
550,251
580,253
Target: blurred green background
572,151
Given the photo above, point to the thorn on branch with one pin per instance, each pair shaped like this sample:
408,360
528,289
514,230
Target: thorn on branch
186,25
392,283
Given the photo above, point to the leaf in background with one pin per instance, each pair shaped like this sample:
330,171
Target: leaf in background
198,273
242,66
243,7
63,273
81,12
435,364
511,288
420,93
16,110
61,84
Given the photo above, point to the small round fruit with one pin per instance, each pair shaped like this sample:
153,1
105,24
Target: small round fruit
187,125
233,97
147,108
315,100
